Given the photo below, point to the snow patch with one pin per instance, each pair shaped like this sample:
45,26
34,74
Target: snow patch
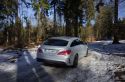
7,67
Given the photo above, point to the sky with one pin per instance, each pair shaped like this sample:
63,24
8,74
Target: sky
30,13
122,10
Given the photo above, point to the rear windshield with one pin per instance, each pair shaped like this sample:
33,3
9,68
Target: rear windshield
56,42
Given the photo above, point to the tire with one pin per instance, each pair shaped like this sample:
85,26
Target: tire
75,62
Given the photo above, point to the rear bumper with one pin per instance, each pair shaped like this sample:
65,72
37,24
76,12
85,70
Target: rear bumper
51,61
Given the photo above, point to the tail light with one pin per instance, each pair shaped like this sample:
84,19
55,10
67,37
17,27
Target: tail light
40,50
65,52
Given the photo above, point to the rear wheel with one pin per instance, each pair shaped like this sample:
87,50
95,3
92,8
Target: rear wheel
75,62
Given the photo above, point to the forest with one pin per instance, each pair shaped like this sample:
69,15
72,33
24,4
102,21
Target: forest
88,19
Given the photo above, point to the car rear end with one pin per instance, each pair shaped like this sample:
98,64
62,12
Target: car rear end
54,51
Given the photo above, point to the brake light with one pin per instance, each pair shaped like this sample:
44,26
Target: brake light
40,50
65,52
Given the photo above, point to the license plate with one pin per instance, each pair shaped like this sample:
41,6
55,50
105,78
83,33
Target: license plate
50,51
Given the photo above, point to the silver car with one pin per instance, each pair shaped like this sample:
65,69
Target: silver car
63,50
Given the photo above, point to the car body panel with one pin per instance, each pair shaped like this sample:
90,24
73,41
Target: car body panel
51,52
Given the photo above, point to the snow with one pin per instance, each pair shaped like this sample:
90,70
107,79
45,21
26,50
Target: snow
105,63
105,47
110,57
6,66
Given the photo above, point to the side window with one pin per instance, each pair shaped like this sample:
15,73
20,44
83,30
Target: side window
83,43
80,42
75,43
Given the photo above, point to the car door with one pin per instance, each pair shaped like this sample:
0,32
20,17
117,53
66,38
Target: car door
84,48
75,48
80,48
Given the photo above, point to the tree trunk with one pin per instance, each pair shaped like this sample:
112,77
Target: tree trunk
67,29
55,28
116,28
76,26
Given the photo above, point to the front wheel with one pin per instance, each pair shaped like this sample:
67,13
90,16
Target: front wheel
75,62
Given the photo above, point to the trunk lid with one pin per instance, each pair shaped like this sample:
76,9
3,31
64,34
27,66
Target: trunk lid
52,50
